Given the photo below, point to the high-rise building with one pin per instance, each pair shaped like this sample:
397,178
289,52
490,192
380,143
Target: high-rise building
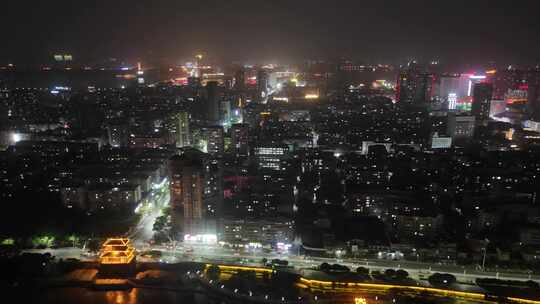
239,80
414,86
210,140
406,87
449,90
186,190
460,126
424,88
183,134
225,113
240,140
482,94
196,192
212,102
262,84
213,191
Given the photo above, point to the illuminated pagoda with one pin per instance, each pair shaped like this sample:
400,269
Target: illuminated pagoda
117,256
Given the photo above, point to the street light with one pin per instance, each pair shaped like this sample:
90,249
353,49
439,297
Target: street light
15,137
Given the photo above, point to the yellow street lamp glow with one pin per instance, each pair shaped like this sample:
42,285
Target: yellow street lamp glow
311,96
353,287
360,301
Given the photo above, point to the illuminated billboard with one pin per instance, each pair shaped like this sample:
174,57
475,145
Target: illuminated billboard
207,239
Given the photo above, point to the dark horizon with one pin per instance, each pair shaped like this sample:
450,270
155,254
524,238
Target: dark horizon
454,32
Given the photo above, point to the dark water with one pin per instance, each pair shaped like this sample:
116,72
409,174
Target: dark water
133,296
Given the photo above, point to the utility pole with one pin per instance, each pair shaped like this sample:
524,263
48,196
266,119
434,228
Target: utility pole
484,260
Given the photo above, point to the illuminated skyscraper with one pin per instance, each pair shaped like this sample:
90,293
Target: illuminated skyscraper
187,189
183,135
196,192
482,94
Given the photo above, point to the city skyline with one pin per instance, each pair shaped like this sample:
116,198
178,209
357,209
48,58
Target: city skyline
294,152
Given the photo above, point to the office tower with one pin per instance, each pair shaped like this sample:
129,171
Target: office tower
240,140
239,80
482,93
460,126
262,85
186,175
183,135
212,103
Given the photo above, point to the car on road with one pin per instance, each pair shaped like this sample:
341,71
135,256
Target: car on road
151,254
88,254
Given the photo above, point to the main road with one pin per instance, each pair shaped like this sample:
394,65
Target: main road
149,209
417,270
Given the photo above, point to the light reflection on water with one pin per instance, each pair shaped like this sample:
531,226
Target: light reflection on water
133,296
122,297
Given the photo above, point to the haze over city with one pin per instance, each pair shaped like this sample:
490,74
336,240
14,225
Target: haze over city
456,32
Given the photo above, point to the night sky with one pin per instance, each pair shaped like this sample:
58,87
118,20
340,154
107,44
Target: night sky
384,30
